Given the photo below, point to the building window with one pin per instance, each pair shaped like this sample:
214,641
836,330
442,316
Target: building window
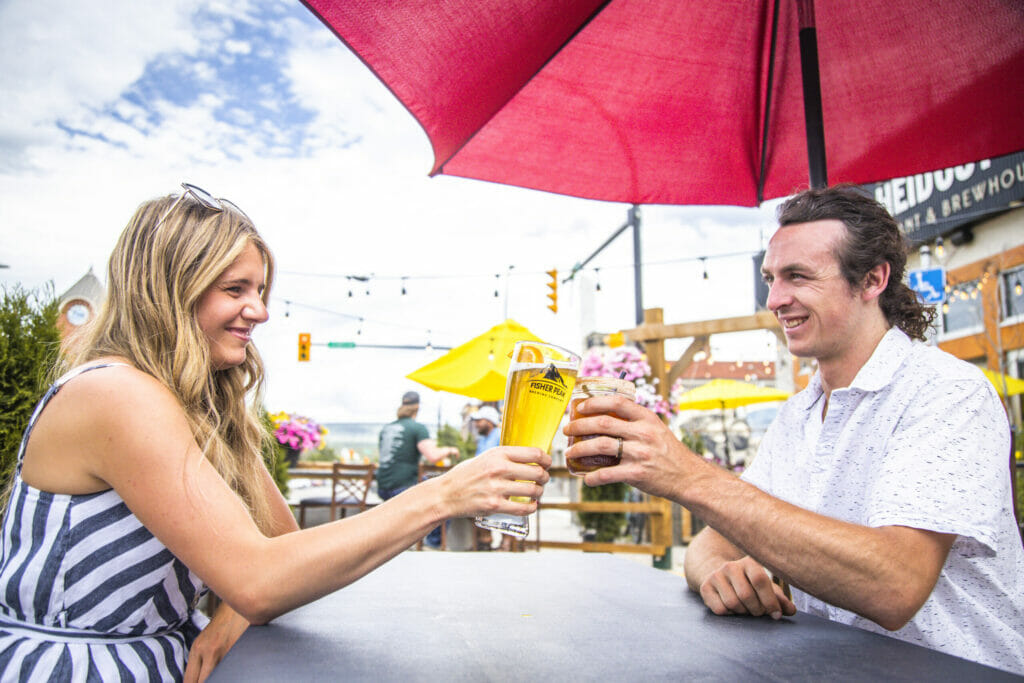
1012,282
962,313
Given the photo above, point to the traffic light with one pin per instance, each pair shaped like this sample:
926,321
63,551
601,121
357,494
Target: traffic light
553,295
303,346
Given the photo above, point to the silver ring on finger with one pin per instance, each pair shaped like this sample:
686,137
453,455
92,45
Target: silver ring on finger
619,454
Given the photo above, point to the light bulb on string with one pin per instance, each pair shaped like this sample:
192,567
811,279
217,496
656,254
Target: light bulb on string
940,248
597,279
945,308
1018,288
497,279
704,263
403,286
287,305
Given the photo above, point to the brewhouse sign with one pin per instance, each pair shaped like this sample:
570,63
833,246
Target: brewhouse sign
931,204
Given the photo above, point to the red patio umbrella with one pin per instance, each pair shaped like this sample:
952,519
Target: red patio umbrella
689,101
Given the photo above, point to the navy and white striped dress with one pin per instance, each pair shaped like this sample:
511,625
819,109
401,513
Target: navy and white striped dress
87,593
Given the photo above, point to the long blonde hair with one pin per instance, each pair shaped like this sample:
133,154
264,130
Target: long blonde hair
158,271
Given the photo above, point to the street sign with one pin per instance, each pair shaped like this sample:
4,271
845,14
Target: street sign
929,283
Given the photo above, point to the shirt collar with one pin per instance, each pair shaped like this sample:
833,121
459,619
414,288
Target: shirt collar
886,359
873,375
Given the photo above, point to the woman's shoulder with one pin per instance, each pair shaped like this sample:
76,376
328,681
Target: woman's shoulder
114,383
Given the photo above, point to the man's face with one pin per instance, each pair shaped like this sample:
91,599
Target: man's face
483,427
818,310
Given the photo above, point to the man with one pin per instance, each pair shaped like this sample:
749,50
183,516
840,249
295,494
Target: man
485,421
401,444
881,492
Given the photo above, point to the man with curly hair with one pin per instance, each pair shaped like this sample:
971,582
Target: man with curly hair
881,492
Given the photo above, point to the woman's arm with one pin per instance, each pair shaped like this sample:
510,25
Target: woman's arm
130,433
227,625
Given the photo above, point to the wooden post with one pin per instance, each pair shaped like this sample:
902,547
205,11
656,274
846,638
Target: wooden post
655,349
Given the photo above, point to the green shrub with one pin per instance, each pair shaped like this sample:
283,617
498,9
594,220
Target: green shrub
448,435
29,346
607,525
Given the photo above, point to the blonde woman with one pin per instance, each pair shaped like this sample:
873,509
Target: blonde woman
139,479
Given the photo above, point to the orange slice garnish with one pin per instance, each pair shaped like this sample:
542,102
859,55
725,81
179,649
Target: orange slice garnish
530,354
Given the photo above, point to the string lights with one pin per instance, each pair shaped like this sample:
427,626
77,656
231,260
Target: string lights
703,260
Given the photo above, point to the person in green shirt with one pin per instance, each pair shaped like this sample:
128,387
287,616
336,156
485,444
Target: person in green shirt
402,443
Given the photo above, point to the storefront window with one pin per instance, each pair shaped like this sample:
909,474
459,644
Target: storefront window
962,313
1013,294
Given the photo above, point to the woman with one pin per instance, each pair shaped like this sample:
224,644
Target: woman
139,478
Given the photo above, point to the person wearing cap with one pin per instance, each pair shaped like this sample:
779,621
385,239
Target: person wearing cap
485,421
402,443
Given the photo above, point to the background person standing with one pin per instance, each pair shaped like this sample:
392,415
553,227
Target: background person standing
401,445
485,421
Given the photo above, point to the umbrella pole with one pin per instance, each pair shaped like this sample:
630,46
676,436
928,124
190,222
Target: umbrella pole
634,220
813,119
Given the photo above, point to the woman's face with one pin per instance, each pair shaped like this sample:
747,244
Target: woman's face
231,307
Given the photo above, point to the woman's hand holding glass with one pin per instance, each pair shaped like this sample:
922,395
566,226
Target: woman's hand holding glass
485,484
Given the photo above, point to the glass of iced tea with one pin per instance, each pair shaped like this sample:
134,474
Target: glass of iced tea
540,381
586,387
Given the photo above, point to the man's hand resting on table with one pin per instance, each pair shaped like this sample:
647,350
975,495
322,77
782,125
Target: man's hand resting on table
744,587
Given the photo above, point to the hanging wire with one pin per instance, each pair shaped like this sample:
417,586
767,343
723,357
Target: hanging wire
597,279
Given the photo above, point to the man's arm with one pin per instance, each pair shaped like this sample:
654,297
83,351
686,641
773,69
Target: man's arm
884,574
433,453
731,582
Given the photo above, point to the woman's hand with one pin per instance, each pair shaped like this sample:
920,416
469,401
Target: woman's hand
213,643
485,484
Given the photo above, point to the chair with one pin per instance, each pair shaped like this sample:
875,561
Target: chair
350,486
429,471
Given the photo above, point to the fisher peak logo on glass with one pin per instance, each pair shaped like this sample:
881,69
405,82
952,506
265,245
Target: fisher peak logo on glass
549,384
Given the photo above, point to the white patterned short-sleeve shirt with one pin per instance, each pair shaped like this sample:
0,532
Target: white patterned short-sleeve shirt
918,439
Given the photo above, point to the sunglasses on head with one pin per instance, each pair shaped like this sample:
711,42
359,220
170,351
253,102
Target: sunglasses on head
207,200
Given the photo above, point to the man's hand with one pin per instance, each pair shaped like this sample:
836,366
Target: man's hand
653,459
744,587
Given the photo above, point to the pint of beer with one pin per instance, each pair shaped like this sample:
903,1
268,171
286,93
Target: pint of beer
540,381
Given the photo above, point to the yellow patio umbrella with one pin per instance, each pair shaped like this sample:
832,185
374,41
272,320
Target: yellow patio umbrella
728,393
477,368
1004,384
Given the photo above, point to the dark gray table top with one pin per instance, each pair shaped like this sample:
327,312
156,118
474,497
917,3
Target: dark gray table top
431,616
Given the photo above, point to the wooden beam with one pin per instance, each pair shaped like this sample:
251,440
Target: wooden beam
652,331
650,549
655,349
698,344
651,508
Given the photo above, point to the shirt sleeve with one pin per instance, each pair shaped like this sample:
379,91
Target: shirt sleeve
944,468
420,433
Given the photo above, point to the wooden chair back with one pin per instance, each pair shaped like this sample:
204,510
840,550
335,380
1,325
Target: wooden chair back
350,489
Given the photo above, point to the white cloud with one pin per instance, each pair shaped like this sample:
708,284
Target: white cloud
346,192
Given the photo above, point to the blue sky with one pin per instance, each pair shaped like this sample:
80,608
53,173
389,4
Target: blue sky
110,102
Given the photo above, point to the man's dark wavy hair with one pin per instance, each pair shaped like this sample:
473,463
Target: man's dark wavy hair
872,237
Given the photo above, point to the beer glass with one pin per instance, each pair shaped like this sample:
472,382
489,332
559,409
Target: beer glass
540,381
